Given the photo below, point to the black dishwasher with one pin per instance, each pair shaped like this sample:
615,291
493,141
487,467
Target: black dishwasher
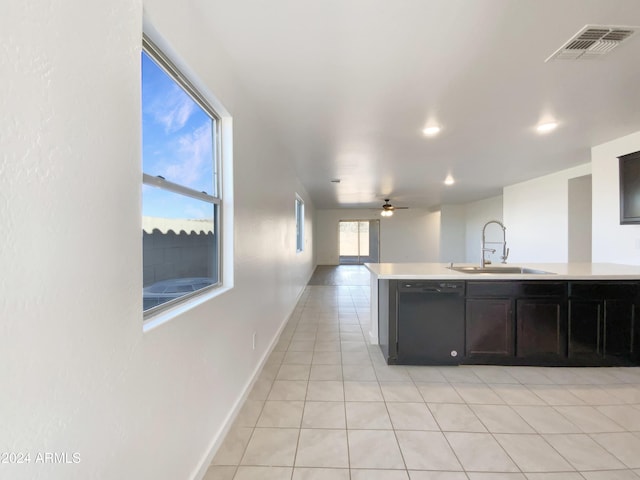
430,323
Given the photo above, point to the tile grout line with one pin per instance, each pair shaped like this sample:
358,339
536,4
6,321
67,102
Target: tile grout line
313,312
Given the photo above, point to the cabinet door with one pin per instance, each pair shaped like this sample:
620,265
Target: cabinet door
489,327
585,329
541,328
635,355
619,328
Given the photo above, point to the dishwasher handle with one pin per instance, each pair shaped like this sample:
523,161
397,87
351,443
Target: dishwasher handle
456,288
431,289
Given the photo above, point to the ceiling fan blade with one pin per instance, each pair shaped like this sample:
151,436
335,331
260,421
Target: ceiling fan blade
387,207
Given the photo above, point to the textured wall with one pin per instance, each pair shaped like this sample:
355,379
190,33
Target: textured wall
536,214
408,236
477,214
79,374
452,233
612,242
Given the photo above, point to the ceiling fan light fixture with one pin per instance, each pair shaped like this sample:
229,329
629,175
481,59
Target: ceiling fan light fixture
386,213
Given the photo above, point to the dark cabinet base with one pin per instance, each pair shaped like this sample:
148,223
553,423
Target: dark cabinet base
489,328
541,332
543,361
602,322
532,323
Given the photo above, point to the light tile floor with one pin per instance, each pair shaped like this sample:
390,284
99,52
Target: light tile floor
327,407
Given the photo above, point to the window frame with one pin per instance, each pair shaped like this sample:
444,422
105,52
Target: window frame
299,209
215,198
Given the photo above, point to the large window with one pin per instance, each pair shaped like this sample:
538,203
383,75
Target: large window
181,202
299,224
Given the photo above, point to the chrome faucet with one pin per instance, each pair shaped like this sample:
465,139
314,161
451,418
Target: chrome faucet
505,250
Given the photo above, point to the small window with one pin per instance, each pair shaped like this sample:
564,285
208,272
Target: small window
181,202
299,224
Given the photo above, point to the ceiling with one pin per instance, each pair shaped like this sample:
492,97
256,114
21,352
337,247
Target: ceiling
348,85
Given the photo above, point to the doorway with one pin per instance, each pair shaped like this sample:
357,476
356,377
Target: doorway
359,242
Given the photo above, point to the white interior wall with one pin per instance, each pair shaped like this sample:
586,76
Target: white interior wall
476,215
408,236
411,236
452,233
579,218
612,242
79,373
536,216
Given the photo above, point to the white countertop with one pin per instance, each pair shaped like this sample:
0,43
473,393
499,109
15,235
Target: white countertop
558,271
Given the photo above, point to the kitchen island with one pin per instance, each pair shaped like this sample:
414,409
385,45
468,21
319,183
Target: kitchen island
533,314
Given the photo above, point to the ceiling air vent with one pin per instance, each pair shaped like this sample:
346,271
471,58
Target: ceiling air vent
592,41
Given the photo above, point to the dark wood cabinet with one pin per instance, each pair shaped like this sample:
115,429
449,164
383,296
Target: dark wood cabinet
602,322
602,329
619,326
489,327
522,322
585,329
635,356
489,320
541,321
541,328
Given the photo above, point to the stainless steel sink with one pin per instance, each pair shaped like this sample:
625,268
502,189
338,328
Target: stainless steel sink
503,270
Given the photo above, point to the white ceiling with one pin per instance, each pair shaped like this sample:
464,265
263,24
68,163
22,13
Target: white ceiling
348,85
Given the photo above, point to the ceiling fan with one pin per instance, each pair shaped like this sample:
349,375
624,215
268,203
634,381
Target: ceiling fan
388,209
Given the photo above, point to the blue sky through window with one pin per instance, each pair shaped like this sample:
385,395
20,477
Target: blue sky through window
177,144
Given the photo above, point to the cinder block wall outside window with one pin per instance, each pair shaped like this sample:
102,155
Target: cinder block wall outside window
170,255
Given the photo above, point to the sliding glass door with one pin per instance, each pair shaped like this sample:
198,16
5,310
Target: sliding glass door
359,241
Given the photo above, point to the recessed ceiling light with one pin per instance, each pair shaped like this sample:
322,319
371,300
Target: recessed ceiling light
431,131
335,180
449,180
546,127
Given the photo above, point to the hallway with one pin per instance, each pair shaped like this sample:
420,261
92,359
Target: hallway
327,407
